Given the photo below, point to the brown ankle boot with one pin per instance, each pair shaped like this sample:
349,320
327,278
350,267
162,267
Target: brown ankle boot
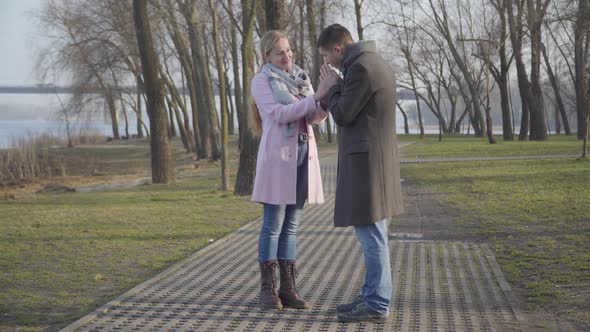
288,290
268,286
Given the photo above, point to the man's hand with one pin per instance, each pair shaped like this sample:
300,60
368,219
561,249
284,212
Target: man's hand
328,78
329,74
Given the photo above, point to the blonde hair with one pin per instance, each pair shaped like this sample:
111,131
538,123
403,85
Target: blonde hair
267,42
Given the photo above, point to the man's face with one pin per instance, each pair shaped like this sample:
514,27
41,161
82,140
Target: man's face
333,55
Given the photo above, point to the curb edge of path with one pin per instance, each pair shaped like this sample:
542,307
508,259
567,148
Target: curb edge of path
104,308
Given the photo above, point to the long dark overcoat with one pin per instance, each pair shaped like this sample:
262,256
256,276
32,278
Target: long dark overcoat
363,106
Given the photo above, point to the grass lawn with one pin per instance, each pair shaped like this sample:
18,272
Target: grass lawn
460,146
62,255
535,214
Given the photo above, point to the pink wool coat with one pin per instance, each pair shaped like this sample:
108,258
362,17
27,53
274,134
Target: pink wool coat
276,166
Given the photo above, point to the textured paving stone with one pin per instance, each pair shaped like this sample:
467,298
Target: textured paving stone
438,285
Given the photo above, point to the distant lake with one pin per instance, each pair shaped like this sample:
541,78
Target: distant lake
25,115
11,130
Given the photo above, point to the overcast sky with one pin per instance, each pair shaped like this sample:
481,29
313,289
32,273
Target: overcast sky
17,34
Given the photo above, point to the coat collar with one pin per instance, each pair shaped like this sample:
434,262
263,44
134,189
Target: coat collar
353,51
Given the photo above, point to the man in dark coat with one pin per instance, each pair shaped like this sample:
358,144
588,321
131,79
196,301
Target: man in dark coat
368,193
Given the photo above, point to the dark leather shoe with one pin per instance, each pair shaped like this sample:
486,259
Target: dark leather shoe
348,306
360,312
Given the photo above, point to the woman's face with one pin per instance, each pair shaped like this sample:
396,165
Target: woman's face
281,55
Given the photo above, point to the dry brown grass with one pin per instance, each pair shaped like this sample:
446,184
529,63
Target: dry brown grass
28,159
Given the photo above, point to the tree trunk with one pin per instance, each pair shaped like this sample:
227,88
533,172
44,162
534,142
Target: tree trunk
171,126
175,112
460,120
560,108
222,101
585,145
504,74
261,17
311,26
213,118
406,127
125,117
415,90
581,48
453,101
329,131
249,148
490,131
316,61
161,161
110,101
556,119
232,110
274,15
516,36
139,114
301,34
505,103
538,130
176,105
488,109
201,83
236,71
358,14
187,65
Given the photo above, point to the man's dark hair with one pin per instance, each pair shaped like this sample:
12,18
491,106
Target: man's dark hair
334,34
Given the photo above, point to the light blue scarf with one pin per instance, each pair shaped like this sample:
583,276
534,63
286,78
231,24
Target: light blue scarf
285,85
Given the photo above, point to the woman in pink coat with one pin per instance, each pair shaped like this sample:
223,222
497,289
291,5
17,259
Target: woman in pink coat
287,168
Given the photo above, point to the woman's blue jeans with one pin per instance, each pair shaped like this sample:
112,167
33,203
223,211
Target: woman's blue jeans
278,236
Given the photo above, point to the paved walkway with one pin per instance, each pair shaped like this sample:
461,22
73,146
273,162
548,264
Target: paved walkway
439,285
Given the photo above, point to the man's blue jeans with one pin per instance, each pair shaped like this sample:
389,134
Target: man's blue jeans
278,236
377,289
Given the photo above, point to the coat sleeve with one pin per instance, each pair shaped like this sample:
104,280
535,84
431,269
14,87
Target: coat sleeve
269,108
347,99
318,115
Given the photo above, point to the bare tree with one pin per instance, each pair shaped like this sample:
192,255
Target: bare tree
93,41
582,48
313,36
236,70
536,10
517,35
554,80
161,161
358,15
404,37
249,144
440,17
223,101
188,69
502,74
